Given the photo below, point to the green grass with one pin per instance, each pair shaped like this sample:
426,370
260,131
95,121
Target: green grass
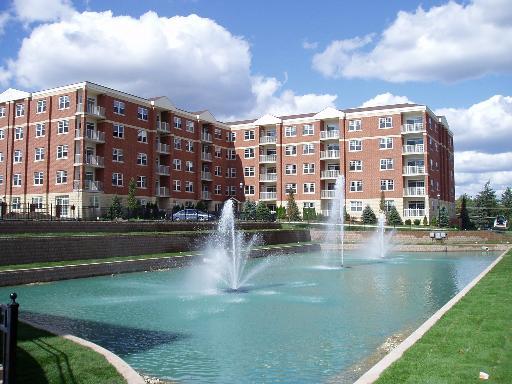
475,335
44,358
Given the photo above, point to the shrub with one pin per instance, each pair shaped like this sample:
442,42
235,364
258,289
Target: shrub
417,221
408,222
309,214
425,220
262,212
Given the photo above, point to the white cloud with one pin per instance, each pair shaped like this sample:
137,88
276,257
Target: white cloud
4,19
386,99
448,43
309,45
29,11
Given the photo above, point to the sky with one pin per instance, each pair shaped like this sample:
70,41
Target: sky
242,59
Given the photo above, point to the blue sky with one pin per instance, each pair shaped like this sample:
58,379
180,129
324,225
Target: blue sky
243,59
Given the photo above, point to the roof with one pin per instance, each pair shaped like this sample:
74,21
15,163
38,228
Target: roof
379,107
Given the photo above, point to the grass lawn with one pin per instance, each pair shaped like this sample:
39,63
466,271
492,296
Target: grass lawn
46,358
475,335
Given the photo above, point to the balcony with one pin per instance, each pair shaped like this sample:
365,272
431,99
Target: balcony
91,135
89,186
418,148
327,194
413,128
414,212
327,135
163,170
206,137
90,160
92,110
414,191
331,154
268,139
163,148
163,127
268,195
206,195
414,170
268,158
207,176
206,156
268,177
163,192
330,174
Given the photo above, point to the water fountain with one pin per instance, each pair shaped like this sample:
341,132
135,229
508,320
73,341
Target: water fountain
380,243
335,223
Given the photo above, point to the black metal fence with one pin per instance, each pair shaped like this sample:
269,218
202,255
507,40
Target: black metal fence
8,333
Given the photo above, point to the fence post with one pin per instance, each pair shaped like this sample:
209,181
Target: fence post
10,340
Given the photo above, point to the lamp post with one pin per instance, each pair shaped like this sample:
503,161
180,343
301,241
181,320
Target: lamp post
438,210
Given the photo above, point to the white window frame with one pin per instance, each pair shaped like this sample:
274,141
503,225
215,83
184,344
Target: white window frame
61,177
176,185
41,106
308,169
290,150
38,178
386,122
249,190
356,186
18,133
142,136
142,159
117,155
64,102
118,131
384,143
16,180
142,182
355,145
386,164
387,184
249,172
189,186
39,154
142,113
290,131
177,122
189,166
249,153
117,179
189,126
308,130
354,125
356,206
17,156
119,107
309,188
62,151
308,149
176,164
40,130
20,110
249,135
62,127
177,143
290,169
357,166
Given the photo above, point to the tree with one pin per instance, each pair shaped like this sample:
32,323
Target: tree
345,213
309,214
444,219
369,216
202,206
465,221
262,212
425,220
486,204
394,217
249,210
506,202
292,210
382,203
281,212
131,201
115,210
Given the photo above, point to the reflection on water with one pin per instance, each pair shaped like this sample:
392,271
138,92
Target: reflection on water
295,323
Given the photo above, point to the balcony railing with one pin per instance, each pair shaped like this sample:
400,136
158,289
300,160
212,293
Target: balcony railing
163,127
412,128
163,192
164,170
268,139
91,160
206,176
88,185
91,135
418,148
268,158
331,154
268,177
414,170
325,135
327,194
206,137
414,212
205,156
163,148
268,195
414,191
330,174
92,110
206,195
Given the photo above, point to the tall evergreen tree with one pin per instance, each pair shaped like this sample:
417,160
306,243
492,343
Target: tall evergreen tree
262,212
486,204
292,210
131,201
115,210
444,219
465,221
506,203
394,217
249,210
369,216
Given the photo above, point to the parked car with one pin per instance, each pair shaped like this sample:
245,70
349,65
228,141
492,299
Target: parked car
191,214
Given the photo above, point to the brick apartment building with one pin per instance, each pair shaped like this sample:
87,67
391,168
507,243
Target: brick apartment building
78,145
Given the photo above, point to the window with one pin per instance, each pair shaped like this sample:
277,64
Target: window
16,203
2,134
1,157
389,204
290,187
176,185
189,166
177,122
190,126
230,137
249,135
40,130
386,143
231,172
20,110
249,189
18,156
309,187
62,151
356,206
218,190
355,145
142,159
355,165
61,177
63,127
63,102
177,143
290,150
249,153
218,170
119,107
290,131
290,169
385,122
386,164
218,152
308,204
117,179
189,186
176,163
142,182
2,111
231,154
249,171
189,146
38,178
308,168
354,125
37,202
118,131
308,149
18,133
41,106
308,130
387,185
356,186
117,155
16,180
39,154
1,179
142,113
142,136
218,133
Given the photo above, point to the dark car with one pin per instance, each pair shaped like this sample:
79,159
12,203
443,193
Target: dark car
191,214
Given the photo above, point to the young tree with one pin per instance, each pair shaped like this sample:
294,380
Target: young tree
292,210
262,212
465,221
249,210
115,210
382,203
425,220
369,216
506,203
309,214
131,201
486,204
444,219
281,212
394,217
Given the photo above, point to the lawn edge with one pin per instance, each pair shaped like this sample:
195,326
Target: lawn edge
374,372
125,370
